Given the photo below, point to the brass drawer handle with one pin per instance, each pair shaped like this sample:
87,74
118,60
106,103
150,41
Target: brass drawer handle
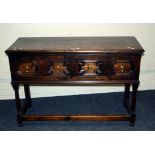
122,68
27,68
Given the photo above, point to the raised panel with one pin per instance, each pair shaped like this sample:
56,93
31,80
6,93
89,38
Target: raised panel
90,68
56,69
123,67
27,68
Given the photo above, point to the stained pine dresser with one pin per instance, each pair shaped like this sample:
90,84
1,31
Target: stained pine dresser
94,61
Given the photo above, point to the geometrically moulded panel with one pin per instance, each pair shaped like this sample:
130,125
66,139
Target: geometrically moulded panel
74,68
27,68
122,67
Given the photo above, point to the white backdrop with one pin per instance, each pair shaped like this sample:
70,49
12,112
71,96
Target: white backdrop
145,33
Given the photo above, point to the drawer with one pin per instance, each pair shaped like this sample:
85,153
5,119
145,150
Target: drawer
60,66
84,67
26,67
122,67
73,65
74,68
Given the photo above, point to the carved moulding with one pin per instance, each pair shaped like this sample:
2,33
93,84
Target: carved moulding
27,68
57,69
75,68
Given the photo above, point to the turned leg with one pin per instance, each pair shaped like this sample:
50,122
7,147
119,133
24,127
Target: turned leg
126,95
27,95
18,104
133,104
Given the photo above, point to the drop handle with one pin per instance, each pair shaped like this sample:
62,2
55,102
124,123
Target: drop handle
27,68
122,68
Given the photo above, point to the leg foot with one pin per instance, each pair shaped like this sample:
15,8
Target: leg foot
132,124
20,124
132,119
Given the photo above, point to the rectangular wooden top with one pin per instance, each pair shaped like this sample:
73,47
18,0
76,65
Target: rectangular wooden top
76,44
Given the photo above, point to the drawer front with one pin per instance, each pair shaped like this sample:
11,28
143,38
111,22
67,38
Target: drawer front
28,68
76,67
123,67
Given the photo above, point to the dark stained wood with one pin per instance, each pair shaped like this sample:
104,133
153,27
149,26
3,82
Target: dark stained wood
76,118
126,95
133,104
66,44
75,83
91,61
27,95
18,104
